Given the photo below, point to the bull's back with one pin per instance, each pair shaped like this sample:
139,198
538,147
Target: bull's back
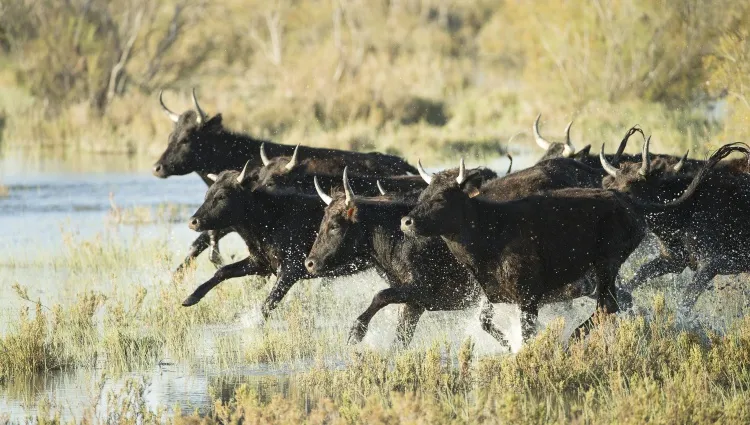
370,163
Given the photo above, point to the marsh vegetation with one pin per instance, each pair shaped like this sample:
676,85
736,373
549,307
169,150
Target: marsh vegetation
91,323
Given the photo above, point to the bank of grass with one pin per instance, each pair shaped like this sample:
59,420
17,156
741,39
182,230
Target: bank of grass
627,371
477,128
123,321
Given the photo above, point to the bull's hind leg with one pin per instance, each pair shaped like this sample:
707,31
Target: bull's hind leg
241,268
529,316
407,324
701,281
606,295
396,295
486,315
659,266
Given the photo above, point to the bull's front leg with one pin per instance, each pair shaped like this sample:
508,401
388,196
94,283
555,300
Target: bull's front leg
285,279
214,237
199,245
241,268
397,295
205,240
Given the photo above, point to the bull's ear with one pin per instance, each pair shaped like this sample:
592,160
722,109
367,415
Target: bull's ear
473,180
350,212
583,152
214,123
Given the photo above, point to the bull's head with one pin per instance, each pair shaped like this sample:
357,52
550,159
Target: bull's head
626,177
339,237
280,171
224,204
190,143
554,149
441,205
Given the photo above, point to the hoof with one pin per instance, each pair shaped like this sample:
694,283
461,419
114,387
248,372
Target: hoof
624,299
265,311
215,257
191,300
357,333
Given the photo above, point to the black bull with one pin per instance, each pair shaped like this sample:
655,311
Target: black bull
421,272
277,225
530,250
709,234
201,144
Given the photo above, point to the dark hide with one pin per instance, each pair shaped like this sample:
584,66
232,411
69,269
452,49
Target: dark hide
422,272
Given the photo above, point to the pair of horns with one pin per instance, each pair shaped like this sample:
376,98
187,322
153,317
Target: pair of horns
347,189
240,178
202,117
427,177
645,161
292,162
568,148
348,192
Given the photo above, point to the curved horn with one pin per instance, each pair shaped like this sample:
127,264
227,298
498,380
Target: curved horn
202,117
510,166
681,163
461,172
425,175
263,156
609,168
538,137
293,162
212,177
326,198
172,116
380,187
645,158
347,189
242,175
568,149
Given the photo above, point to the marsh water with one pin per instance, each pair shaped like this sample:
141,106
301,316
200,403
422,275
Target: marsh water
52,199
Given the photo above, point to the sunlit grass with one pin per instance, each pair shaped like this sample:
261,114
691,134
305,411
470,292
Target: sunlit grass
628,370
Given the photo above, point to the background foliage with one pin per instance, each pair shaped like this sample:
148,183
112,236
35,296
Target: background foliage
84,74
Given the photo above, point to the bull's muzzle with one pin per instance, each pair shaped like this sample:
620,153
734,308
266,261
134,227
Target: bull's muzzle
407,225
195,223
311,265
159,171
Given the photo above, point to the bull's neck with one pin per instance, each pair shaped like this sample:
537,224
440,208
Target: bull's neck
477,235
381,223
268,212
232,150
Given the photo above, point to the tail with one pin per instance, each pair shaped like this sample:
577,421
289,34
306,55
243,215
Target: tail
635,129
714,159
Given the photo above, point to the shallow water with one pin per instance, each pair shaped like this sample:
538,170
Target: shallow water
50,199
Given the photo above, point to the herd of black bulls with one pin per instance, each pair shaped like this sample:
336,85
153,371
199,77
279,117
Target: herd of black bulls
557,230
